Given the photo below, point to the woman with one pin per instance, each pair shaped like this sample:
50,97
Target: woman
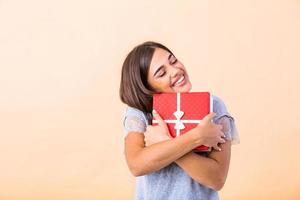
166,167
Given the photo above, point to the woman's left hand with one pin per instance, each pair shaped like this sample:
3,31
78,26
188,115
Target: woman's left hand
157,133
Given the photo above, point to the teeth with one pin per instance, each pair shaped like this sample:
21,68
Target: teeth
179,81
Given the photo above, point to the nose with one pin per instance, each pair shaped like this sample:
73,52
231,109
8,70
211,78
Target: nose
174,71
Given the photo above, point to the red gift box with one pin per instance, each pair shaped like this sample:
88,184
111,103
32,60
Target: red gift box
183,111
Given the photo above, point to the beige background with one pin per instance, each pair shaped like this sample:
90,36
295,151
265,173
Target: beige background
61,135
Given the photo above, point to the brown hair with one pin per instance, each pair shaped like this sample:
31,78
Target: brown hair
134,88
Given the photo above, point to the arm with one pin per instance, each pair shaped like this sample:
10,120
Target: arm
210,171
143,160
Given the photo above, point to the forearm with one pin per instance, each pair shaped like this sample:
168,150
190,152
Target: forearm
210,171
159,155
202,169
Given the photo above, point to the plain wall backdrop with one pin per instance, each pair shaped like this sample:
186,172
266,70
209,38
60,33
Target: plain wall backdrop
61,134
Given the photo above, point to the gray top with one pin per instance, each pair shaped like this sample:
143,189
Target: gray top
171,182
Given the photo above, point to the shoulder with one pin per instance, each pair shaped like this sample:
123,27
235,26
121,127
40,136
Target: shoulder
134,112
219,106
134,120
224,117
217,101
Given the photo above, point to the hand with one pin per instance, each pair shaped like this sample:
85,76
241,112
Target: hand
157,133
210,134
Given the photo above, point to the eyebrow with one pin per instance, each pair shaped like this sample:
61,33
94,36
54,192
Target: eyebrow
169,57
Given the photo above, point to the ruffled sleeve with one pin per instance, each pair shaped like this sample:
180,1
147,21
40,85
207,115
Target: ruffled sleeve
134,120
224,118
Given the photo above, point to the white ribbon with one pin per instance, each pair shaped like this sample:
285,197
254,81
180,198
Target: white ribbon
178,114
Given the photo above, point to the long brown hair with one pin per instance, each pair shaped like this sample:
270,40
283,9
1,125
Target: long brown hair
134,88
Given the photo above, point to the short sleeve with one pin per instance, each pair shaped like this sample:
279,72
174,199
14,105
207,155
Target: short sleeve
134,120
224,118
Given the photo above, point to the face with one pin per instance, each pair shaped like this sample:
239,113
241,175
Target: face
167,74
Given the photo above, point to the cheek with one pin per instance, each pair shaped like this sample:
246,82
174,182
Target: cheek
165,82
161,85
179,65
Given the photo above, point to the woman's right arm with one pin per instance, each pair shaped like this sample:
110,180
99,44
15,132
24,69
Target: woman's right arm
143,160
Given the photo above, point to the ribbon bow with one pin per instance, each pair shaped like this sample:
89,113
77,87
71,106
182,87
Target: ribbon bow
179,124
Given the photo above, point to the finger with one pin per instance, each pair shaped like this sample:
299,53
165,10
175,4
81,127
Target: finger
148,130
217,148
222,134
158,118
217,129
220,126
209,117
222,137
222,141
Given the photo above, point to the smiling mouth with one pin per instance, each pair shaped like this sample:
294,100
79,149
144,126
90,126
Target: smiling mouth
179,82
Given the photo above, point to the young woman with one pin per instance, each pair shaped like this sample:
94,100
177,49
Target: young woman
166,167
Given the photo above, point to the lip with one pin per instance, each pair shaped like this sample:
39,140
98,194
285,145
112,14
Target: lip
182,82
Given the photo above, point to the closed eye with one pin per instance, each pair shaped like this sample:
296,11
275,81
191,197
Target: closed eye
172,59
173,62
162,74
